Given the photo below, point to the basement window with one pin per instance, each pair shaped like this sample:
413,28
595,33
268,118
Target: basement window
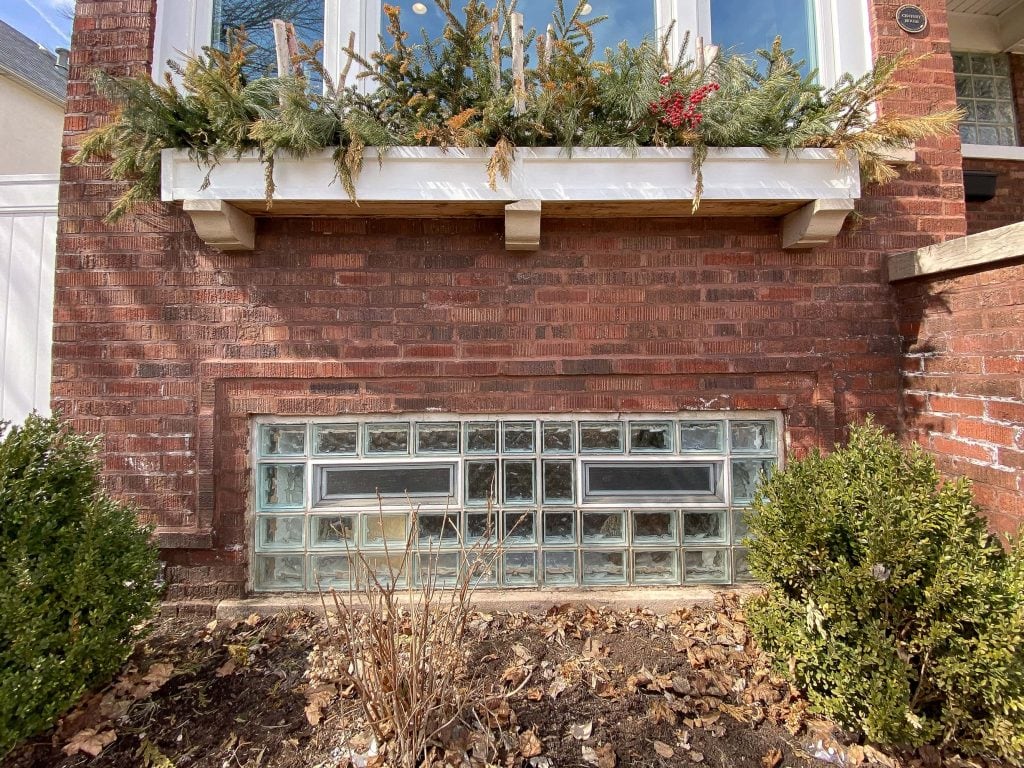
576,501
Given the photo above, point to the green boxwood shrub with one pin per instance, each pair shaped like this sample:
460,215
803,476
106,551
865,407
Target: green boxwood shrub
887,600
77,576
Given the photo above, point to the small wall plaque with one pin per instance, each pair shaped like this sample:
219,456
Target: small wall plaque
911,19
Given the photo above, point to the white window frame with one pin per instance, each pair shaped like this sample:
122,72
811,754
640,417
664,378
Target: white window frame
842,31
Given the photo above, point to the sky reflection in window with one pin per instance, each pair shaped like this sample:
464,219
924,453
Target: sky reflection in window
741,26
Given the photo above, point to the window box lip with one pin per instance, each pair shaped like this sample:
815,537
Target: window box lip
418,175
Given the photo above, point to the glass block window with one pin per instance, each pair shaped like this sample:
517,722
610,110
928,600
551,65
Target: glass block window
984,89
576,501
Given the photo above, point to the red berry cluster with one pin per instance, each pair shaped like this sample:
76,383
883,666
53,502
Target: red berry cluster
677,109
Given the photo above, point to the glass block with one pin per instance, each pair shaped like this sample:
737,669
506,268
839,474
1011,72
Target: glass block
384,529
333,530
438,568
559,527
983,64
1004,113
705,527
660,567
280,532
480,526
1001,65
386,569
435,530
701,436
279,571
558,482
557,437
968,134
520,528
706,566
984,88
282,485
520,569
517,436
331,571
1007,137
654,527
482,569
336,439
1002,88
650,436
600,567
741,566
481,437
518,482
559,569
752,436
986,111
988,135
282,439
740,529
971,106
437,438
601,437
961,63
480,481
387,438
604,527
964,87
746,474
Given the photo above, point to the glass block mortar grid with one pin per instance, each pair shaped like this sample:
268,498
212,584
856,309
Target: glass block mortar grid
984,89
581,500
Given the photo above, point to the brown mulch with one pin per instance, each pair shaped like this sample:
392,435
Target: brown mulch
576,687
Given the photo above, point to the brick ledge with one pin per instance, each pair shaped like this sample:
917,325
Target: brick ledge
183,538
659,600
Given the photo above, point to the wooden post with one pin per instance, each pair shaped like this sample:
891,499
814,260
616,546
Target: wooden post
699,53
549,43
518,67
286,46
495,52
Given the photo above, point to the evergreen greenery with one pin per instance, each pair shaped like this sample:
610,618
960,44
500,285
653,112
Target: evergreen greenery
887,602
456,91
77,576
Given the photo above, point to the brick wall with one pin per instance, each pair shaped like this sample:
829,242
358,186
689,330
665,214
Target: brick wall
169,348
1007,207
964,380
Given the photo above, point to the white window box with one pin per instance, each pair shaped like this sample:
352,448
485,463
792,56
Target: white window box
809,188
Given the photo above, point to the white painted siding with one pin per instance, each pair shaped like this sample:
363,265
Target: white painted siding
28,240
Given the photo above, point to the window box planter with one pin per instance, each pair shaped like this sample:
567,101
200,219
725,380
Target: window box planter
809,190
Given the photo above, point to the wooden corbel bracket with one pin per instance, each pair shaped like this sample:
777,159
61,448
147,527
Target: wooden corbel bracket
522,225
817,223
221,225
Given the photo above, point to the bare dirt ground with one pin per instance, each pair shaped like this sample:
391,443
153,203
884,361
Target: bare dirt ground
575,687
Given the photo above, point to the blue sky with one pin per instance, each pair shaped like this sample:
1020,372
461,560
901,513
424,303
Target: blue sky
41,20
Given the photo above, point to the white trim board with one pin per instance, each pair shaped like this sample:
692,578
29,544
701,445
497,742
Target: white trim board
991,152
29,193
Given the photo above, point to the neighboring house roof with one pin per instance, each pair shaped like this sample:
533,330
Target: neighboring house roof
31,64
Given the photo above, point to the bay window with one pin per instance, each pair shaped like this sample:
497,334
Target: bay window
831,35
